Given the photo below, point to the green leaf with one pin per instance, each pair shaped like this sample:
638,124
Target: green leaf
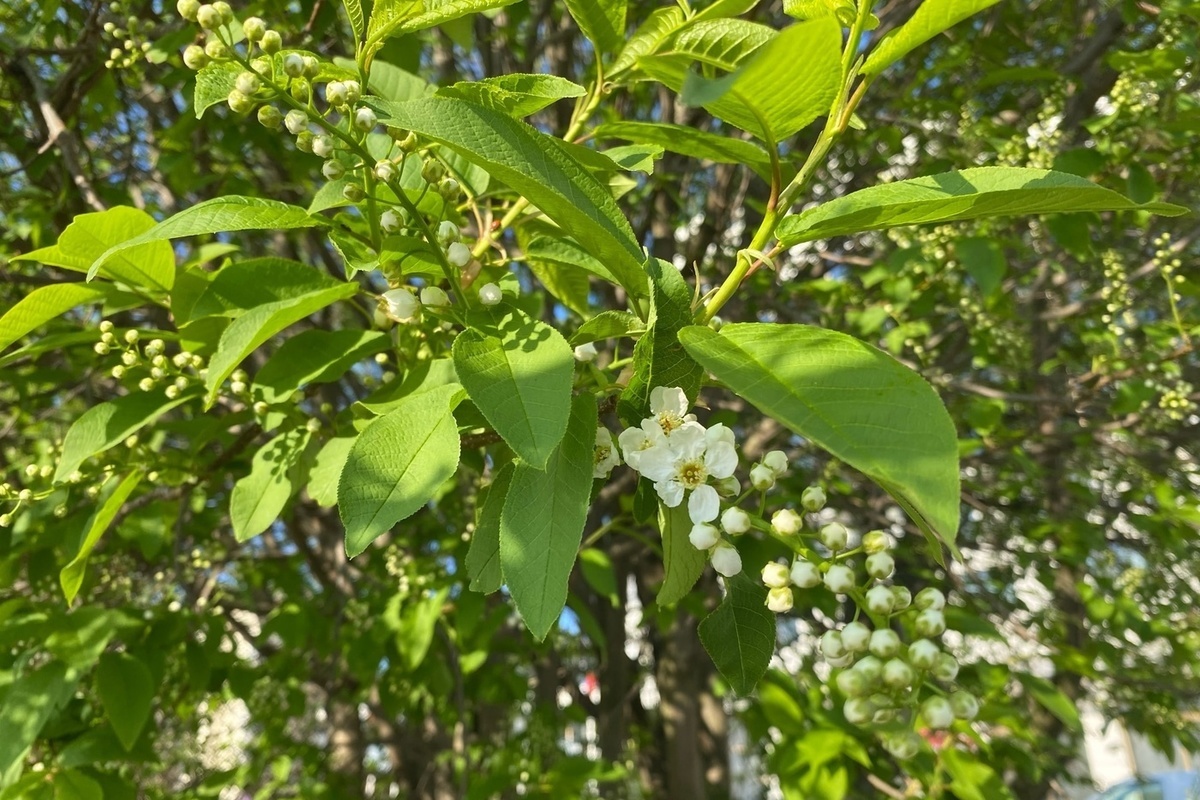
602,22
658,358
519,376
606,325
327,470
259,498
71,784
538,167
569,285
102,426
811,9
683,563
257,325
415,628
971,779
564,252
391,18
126,688
483,555
44,304
597,570
773,94
517,95
219,215
396,465
149,266
649,36
29,702
71,576
314,356
740,634
720,43
931,18
1053,700
358,23
854,400
541,526
984,262
957,196
258,281
214,82
690,142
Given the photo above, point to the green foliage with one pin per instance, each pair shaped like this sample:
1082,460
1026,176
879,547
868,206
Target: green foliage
931,18
740,634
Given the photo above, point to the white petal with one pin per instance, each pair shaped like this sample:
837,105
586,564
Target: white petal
703,537
670,492
657,463
719,433
703,504
631,441
721,460
669,399
688,441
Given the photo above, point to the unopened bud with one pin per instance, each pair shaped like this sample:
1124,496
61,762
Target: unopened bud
813,498
194,57
254,28
271,42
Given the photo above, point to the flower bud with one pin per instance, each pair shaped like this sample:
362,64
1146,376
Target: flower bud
434,296
930,623
295,121
270,118
876,542
857,710
834,536
194,57
5,520
247,83
704,536
335,93
300,90
901,598
293,64
239,103
805,574
304,141
118,372
146,385
813,498
432,171
945,669
353,91
490,295
353,192
880,566
775,575
780,600
364,119
880,601
787,522
923,654
385,170
172,392
885,643
188,9
225,10
333,170
839,579
391,221
776,461
254,28
271,42
938,713
447,232
322,146
851,683
728,487
856,636
735,522
726,559
761,477
312,67
586,353
449,189
208,17
832,645
897,674
409,144
400,304
902,746
870,668
929,597
458,254
964,705
101,348
216,50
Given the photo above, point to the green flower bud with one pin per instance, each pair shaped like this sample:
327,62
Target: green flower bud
293,65
885,643
880,565
254,28
333,170
930,623
851,683
901,598
876,542
813,498
300,90
216,49
857,710
208,17
365,119
449,189
447,232
296,121
225,10
897,674
353,192
834,536
194,57
856,637
409,143
312,67
188,9
930,597
239,103
964,705
832,645
271,42
304,141
270,117
353,91
432,171
945,669
247,83
923,654
385,170
335,94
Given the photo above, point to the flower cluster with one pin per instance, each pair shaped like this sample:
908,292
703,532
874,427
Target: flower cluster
177,372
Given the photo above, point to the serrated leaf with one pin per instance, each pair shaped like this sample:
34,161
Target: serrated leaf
391,18
29,702
126,690
658,358
259,497
690,142
606,325
258,324
314,356
219,215
518,374
71,576
44,304
214,82
931,18
354,13
102,426
567,253
720,43
541,526
602,21
483,555
647,39
852,399
415,628
244,285
773,94
517,95
327,470
957,196
682,562
150,266
397,464
538,167
740,634
568,285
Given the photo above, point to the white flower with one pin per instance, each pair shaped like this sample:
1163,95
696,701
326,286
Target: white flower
605,457
490,295
402,305
586,352
775,575
762,477
726,560
459,255
704,536
780,600
434,296
668,407
703,504
636,441
787,522
691,456
776,461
